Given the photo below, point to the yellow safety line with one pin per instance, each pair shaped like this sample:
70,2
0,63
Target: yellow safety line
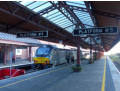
103,81
30,78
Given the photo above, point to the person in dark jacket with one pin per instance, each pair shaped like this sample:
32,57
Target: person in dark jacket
72,59
13,59
68,57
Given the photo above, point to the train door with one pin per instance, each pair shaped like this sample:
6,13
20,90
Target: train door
62,56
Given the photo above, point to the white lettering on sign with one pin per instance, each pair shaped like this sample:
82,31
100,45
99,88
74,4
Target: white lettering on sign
40,34
33,34
99,30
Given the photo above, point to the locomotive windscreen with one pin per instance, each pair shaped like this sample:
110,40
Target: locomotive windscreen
43,51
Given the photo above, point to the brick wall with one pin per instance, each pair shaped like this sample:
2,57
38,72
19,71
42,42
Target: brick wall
24,54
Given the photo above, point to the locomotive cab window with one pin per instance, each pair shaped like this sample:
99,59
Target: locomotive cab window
43,51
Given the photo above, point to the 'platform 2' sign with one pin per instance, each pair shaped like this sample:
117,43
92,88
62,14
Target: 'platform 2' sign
33,34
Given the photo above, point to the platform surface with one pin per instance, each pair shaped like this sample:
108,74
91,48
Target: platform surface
17,63
62,79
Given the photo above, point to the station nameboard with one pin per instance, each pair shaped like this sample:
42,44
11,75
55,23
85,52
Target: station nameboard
99,30
32,34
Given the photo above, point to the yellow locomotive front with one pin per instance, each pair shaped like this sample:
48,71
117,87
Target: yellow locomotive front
42,55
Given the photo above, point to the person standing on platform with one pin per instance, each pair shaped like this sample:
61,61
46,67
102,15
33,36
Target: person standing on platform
72,59
13,59
68,57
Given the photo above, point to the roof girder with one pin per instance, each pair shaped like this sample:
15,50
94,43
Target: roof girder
107,14
46,10
72,14
78,8
64,12
34,22
90,12
28,20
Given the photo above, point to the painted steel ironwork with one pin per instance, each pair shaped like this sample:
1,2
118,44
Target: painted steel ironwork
88,5
99,30
72,14
29,16
33,34
107,14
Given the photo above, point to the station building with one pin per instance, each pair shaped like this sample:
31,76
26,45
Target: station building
60,19
18,49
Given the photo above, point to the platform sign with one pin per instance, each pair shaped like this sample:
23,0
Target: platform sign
32,34
99,30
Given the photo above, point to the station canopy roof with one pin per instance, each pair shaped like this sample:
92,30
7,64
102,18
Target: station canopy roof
60,18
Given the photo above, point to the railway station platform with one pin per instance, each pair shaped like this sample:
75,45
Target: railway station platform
99,76
16,64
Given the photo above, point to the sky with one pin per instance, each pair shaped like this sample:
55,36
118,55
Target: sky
114,50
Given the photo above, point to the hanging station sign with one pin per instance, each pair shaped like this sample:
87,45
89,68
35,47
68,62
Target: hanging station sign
32,34
99,30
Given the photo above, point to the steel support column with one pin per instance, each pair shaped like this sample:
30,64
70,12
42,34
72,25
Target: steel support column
30,53
5,56
78,55
91,58
95,53
14,54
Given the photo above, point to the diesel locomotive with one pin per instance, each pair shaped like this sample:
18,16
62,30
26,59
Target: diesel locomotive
51,55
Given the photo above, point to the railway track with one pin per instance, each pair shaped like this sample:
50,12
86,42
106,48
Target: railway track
117,64
30,69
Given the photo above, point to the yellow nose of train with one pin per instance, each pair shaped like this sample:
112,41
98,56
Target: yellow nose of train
41,60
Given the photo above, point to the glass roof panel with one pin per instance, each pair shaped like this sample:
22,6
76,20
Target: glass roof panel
39,5
65,24
57,17
52,14
88,26
42,7
84,17
69,26
77,3
60,19
70,29
25,2
33,5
